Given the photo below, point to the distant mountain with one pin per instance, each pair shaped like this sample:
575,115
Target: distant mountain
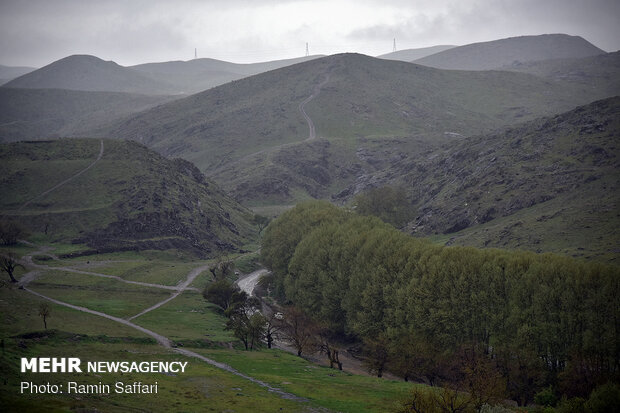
409,55
27,114
132,198
551,184
505,52
250,136
11,72
89,73
200,74
593,72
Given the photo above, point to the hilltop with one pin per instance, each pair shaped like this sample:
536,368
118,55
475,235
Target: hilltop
132,198
504,52
251,137
545,185
89,73
409,55
196,75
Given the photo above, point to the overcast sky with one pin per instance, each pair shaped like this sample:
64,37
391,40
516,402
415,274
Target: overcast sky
38,32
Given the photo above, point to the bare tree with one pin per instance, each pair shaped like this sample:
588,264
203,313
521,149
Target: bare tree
298,329
10,232
273,328
8,264
327,347
44,312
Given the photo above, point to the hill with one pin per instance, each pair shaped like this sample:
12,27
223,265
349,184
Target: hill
46,113
547,185
11,72
200,74
499,53
89,73
593,72
409,55
130,198
252,138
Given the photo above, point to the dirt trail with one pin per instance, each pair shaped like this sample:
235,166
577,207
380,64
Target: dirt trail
248,282
66,180
181,287
167,343
302,109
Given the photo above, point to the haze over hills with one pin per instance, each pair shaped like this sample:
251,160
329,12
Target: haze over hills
197,75
131,198
594,72
409,55
249,135
505,52
551,184
89,73
27,114
11,72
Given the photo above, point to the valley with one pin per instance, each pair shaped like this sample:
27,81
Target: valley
429,228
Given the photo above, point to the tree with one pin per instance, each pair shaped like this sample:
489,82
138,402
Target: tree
388,203
10,232
8,264
377,355
246,323
222,268
225,294
298,329
44,312
327,347
261,222
273,326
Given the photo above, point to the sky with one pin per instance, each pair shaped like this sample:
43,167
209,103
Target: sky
38,32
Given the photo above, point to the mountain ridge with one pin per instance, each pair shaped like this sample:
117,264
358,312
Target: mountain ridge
498,53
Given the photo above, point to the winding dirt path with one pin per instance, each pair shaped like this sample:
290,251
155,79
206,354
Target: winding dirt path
302,107
66,180
165,341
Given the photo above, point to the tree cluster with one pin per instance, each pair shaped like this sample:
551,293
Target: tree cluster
481,320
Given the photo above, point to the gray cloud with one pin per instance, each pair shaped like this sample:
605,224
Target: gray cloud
37,32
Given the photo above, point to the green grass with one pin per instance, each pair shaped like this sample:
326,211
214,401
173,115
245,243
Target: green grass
99,294
19,313
188,317
155,272
200,388
326,387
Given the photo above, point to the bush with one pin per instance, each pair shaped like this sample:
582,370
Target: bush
574,405
604,399
546,397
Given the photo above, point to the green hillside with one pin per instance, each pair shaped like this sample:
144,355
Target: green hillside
132,198
499,53
545,185
369,110
27,114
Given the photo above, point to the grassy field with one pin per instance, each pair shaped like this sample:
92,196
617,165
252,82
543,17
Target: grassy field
330,388
200,388
188,320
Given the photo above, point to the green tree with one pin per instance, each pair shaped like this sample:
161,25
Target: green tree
224,294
